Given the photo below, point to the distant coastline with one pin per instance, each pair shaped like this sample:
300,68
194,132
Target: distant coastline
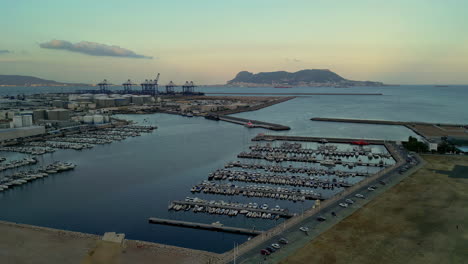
303,78
31,81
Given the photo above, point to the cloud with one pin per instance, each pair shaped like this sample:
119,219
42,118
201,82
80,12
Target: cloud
92,48
292,60
5,51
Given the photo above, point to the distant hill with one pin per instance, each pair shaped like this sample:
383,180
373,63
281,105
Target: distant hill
20,80
312,77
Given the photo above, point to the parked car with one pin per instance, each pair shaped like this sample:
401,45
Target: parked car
344,205
350,201
265,252
358,195
271,249
321,218
304,229
275,246
283,241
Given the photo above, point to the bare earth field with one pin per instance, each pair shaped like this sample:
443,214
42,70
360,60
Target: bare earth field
25,244
423,219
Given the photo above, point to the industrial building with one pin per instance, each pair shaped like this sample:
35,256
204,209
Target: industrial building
58,114
21,132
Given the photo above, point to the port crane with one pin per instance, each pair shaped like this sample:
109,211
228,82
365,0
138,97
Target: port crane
103,86
128,86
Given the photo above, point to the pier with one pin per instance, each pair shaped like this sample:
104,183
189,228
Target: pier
301,93
212,227
253,123
426,130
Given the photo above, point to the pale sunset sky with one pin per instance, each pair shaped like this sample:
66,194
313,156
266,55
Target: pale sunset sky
209,41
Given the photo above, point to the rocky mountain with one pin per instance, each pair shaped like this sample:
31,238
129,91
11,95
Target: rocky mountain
20,80
311,77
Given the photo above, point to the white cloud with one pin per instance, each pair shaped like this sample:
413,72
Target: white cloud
92,48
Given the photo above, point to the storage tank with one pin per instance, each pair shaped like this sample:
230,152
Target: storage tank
106,119
147,99
88,119
109,102
98,119
18,121
39,114
121,101
138,100
58,114
27,120
3,115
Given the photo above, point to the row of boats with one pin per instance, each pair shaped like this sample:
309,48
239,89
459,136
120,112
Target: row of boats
88,139
263,178
28,150
80,141
23,177
290,169
282,157
17,163
60,145
280,193
324,150
250,210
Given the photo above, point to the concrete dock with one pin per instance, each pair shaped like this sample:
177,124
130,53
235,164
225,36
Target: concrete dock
263,137
301,93
426,130
255,123
212,227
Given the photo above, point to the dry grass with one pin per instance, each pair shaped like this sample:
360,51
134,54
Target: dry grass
424,219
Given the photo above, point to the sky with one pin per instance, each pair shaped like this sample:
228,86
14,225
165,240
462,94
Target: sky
210,41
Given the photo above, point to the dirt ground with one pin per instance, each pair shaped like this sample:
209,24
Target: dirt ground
432,131
25,244
424,219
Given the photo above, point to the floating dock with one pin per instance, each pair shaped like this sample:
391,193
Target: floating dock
212,227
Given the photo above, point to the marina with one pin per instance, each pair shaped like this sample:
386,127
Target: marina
83,139
295,182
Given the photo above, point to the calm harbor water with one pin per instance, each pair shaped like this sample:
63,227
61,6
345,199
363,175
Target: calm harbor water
117,187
